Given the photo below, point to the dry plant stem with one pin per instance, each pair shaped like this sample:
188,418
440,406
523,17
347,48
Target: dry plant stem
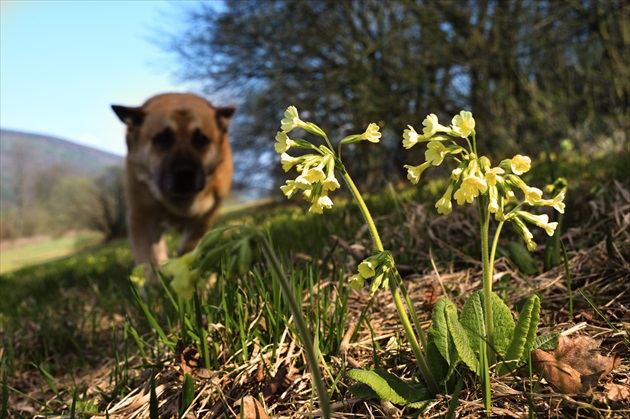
394,288
310,350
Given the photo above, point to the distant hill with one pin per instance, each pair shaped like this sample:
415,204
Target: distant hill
35,154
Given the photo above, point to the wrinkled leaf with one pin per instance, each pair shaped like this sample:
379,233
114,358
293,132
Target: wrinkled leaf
440,339
575,365
389,387
473,320
524,335
547,342
460,339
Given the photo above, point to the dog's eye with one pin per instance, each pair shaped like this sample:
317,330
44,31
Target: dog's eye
199,140
164,139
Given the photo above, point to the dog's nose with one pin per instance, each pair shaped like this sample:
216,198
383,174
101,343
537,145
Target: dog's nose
184,180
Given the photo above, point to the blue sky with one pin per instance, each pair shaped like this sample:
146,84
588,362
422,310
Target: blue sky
63,63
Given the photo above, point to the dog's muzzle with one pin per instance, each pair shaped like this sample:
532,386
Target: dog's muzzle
182,179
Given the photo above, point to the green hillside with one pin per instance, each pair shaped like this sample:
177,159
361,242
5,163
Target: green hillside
28,156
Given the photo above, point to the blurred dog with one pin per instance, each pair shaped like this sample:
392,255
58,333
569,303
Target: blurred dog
178,170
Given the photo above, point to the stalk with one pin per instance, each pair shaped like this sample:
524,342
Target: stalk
484,221
394,284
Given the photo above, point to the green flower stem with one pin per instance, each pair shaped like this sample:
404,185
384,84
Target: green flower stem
493,251
484,221
414,316
394,284
307,340
411,336
364,209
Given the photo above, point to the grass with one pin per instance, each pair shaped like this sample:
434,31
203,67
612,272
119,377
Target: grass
45,250
75,338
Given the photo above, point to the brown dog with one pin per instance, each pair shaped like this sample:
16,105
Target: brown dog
178,170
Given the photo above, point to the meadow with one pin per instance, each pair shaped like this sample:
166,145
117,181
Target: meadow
79,340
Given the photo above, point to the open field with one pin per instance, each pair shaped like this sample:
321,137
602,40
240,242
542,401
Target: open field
78,342
45,250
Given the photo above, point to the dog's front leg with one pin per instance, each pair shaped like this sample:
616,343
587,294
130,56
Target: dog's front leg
146,234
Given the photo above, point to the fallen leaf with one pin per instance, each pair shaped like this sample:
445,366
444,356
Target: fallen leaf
189,360
430,298
575,365
284,377
251,408
616,394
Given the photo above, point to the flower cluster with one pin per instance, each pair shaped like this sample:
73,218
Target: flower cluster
184,276
475,176
375,269
317,169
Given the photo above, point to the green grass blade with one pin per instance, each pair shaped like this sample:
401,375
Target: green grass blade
188,393
152,321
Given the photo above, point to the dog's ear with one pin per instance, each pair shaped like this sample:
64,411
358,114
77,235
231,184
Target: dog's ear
224,115
128,115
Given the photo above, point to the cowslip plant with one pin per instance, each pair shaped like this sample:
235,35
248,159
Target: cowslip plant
315,180
489,327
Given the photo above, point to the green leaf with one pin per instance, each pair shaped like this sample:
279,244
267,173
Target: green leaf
524,335
547,342
521,257
473,320
503,324
460,339
439,335
388,387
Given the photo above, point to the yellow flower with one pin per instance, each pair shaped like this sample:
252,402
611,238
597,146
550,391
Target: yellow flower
319,204
371,133
183,277
492,176
290,188
463,124
314,174
541,221
288,161
470,189
531,245
283,142
367,269
302,183
138,276
431,126
557,202
444,205
493,194
456,174
291,120
520,164
330,183
356,282
532,195
435,153
465,193
414,172
410,137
